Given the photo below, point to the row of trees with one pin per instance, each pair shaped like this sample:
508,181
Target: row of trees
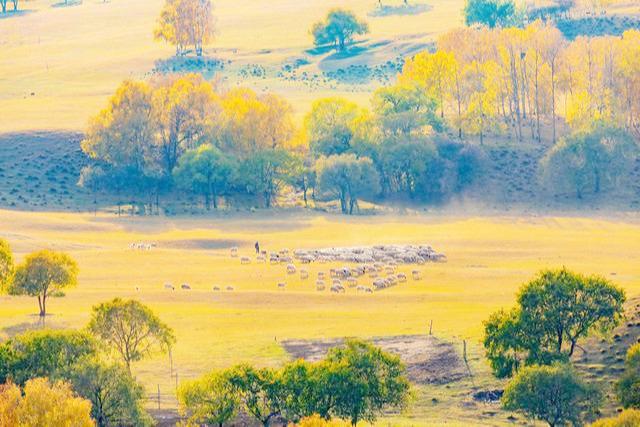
535,341
185,23
181,132
90,369
356,382
505,80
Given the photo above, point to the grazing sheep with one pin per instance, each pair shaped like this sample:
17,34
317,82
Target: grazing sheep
336,282
319,282
415,274
234,252
245,260
320,287
333,272
230,288
368,290
321,275
379,284
373,275
216,288
185,286
282,285
401,277
291,269
169,286
137,289
360,288
304,274
337,289
352,283
261,259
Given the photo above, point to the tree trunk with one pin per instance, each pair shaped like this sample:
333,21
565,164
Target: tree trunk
43,306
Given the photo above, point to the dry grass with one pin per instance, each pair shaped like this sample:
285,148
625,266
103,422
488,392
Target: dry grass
489,258
60,64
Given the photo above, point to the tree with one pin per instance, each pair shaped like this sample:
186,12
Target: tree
331,126
123,135
628,386
43,404
266,171
317,421
205,170
492,13
209,400
260,391
589,162
347,178
131,328
43,274
413,167
553,394
555,311
367,380
406,109
6,263
43,353
186,22
627,418
115,396
187,112
338,29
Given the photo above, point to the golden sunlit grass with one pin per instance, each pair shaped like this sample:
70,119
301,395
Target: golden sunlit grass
489,258
59,65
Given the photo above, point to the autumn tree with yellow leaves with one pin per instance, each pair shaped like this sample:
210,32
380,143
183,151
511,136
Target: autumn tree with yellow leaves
185,23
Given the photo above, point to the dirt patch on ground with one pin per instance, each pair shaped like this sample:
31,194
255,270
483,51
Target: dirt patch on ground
428,359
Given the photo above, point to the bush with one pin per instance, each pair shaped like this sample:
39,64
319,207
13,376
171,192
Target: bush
628,387
628,418
553,394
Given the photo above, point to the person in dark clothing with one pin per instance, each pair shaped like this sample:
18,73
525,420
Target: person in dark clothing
257,246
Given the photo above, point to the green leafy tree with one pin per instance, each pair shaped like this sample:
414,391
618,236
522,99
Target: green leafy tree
210,400
266,171
115,396
406,109
43,274
347,178
367,381
628,387
413,167
553,394
205,170
492,13
6,263
260,391
331,126
589,162
132,329
338,29
555,310
44,353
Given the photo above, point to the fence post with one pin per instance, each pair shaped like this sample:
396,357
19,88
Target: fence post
158,397
431,327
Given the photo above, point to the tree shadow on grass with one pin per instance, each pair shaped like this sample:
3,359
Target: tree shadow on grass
402,10
68,3
15,13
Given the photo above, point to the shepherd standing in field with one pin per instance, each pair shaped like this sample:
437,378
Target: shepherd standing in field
257,246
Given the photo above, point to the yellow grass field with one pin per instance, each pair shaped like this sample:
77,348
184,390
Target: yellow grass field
489,258
59,65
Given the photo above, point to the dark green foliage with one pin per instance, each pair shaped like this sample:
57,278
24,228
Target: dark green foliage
555,311
266,171
628,387
492,13
338,29
45,353
115,396
553,394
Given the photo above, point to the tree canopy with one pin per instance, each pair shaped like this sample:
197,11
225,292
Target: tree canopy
338,29
6,263
186,23
553,394
555,311
43,274
492,13
43,404
132,329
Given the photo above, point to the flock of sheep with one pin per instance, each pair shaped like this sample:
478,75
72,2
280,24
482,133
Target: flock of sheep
379,263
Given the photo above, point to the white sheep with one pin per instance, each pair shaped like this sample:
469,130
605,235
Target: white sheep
245,260
291,269
185,286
